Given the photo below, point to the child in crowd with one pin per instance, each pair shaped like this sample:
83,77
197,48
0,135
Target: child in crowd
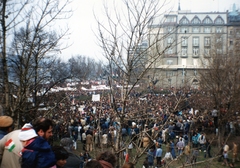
36,151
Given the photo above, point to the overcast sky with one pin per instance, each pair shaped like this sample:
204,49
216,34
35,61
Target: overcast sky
82,23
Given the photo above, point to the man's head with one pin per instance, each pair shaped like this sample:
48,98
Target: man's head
6,124
67,143
43,128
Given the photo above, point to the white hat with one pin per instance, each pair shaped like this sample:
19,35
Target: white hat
27,132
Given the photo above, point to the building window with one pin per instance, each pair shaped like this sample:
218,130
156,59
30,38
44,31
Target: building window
195,62
169,29
207,30
184,29
184,20
230,42
184,41
195,72
184,62
196,20
170,19
207,41
219,29
195,51
219,20
169,62
195,41
207,20
184,51
219,40
237,31
170,40
170,51
206,52
169,73
195,29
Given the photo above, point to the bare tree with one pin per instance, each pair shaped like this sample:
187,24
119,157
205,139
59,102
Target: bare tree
83,68
220,81
32,26
127,45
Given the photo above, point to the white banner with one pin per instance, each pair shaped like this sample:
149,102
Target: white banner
96,97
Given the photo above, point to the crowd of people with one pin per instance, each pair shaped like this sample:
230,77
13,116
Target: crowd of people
28,147
166,135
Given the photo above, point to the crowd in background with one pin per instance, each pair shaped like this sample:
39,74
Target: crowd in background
183,132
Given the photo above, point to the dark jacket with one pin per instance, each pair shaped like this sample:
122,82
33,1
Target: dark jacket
73,161
38,154
2,134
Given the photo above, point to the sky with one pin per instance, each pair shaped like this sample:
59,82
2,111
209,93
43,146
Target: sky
83,25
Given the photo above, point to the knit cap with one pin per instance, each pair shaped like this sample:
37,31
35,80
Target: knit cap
27,132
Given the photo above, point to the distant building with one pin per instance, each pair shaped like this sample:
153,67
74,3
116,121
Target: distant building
190,38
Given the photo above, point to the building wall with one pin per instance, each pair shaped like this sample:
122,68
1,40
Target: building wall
191,38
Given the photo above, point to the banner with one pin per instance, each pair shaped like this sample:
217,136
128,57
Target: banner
96,97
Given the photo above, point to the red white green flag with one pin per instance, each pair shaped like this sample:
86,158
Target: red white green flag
10,145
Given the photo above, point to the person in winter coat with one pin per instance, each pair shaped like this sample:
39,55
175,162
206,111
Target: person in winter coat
202,141
61,155
151,156
180,146
195,140
6,125
73,160
208,149
187,152
10,147
146,141
172,149
89,142
104,140
235,152
107,159
37,152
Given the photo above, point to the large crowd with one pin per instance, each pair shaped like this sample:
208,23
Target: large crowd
165,134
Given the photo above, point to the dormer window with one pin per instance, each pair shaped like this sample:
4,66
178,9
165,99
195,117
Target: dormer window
219,20
184,20
207,20
196,20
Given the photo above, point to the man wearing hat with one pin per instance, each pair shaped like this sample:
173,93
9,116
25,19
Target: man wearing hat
9,144
6,125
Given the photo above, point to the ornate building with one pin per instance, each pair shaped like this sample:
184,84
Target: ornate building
188,40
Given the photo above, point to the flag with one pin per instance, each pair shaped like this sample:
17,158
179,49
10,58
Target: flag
10,145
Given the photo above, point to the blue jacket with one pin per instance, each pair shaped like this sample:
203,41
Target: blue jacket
150,156
2,134
38,154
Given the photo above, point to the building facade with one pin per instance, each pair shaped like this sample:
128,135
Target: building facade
189,39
